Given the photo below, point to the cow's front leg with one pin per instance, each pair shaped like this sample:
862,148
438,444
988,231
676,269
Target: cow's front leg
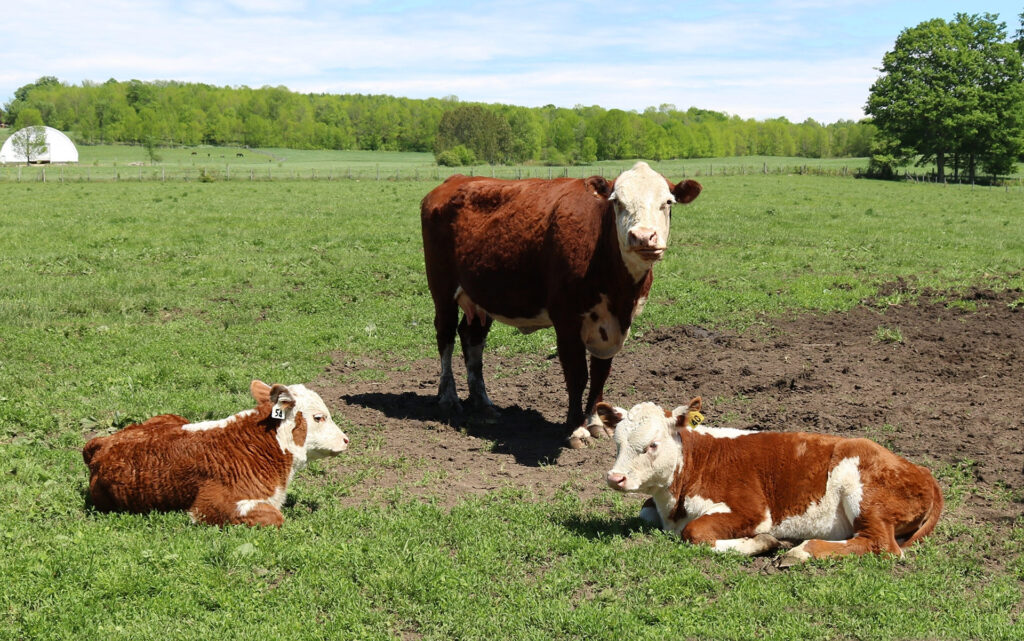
599,370
473,336
725,532
573,356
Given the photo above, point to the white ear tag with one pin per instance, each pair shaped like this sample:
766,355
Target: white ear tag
277,412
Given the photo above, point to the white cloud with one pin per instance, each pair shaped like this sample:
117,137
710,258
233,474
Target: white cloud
796,58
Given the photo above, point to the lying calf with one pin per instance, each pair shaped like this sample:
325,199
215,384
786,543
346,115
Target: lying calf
235,470
743,491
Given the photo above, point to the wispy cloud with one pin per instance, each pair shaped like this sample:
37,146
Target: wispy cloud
793,58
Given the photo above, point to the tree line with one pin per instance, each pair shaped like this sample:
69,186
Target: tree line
174,113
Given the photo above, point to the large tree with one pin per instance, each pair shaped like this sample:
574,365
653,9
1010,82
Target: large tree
953,89
30,142
483,132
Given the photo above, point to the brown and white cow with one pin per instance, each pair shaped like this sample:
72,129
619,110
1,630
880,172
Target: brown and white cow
744,491
573,254
234,470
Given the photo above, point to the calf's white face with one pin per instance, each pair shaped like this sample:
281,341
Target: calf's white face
648,447
322,436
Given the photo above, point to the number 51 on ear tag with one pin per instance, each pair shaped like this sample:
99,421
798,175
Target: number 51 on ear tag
277,412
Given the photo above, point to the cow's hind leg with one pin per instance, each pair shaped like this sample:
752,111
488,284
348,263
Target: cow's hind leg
473,336
446,320
879,539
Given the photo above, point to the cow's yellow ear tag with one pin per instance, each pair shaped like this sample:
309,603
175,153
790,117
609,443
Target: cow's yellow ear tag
694,418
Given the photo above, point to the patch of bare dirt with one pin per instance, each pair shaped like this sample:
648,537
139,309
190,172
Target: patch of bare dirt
952,391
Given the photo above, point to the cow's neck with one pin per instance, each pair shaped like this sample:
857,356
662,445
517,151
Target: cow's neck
264,441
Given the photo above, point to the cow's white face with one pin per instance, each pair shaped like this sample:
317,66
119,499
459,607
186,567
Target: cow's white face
648,447
643,211
323,436
316,436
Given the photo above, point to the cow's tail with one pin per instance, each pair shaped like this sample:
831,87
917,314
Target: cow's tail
931,518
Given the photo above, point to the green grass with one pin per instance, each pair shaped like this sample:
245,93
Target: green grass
122,300
132,163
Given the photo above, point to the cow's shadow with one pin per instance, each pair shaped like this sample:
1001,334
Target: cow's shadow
523,433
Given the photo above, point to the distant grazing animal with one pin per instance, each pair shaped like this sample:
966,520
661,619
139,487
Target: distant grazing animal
575,254
744,491
235,470
239,155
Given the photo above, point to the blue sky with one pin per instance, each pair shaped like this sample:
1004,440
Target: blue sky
794,58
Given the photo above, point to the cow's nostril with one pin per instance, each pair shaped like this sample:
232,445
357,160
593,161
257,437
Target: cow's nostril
643,237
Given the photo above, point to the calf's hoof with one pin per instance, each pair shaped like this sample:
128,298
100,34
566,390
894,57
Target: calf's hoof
599,430
796,556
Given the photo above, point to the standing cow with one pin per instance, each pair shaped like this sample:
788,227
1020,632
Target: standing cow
573,254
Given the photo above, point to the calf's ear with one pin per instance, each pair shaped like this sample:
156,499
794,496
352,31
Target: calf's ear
282,400
686,191
599,185
608,415
260,391
683,413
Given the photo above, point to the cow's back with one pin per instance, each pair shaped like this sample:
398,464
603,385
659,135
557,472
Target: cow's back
142,467
509,243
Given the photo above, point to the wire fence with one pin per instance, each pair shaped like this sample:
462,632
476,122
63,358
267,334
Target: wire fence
236,173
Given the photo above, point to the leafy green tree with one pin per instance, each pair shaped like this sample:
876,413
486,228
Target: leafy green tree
953,88
483,132
30,142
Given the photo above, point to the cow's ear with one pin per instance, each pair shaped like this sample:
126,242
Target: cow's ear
599,186
260,391
689,415
283,401
686,191
608,414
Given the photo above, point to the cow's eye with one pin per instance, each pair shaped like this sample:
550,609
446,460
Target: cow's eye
652,448
319,418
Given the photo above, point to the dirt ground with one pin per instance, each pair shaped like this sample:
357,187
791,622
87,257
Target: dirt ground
950,393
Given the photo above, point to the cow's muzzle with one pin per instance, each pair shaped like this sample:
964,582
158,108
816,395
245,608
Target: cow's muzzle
616,481
645,242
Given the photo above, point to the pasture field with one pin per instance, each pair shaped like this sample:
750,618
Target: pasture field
132,163
123,300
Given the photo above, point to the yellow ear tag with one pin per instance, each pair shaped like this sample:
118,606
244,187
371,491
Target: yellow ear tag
695,418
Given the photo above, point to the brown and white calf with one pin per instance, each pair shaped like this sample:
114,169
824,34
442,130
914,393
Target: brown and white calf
235,470
745,491
573,254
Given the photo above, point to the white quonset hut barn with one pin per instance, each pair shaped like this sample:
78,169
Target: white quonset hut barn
59,148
